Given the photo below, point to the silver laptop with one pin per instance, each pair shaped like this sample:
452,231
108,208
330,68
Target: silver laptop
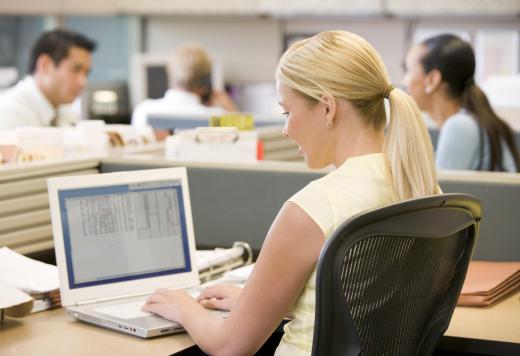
118,237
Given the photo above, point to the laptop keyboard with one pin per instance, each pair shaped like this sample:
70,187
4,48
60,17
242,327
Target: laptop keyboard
130,310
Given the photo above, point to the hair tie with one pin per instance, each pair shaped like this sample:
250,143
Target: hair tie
386,93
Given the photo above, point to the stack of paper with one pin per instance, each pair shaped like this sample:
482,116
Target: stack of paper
487,282
15,302
35,278
239,275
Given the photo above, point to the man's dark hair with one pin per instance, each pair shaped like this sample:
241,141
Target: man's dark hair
57,44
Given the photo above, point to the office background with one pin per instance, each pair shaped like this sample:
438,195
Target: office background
245,37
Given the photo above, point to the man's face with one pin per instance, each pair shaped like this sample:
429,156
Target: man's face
66,80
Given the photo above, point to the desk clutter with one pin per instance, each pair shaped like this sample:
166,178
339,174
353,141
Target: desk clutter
214,263
488,282
29,286
87,138
214,144
234,137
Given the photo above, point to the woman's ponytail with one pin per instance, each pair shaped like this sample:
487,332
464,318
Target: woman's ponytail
496,129
408,149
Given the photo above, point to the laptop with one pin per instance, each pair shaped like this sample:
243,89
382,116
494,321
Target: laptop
118,237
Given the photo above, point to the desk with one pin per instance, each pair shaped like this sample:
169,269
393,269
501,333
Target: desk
53,332
494,330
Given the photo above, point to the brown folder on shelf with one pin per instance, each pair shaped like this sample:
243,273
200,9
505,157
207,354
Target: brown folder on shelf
487,282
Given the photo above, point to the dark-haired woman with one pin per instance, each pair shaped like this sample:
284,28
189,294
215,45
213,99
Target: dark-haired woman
440,77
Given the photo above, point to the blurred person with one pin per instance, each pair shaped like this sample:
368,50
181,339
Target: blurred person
333,88
191,90
60,63
440,77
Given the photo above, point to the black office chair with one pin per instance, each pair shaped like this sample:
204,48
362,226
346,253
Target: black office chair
388,280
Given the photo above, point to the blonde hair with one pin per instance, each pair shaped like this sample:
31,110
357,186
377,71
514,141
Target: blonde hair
189,67
345,66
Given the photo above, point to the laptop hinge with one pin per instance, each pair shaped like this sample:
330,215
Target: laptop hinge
98,300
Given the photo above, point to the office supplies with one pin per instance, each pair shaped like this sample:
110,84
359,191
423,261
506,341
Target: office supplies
214,263
487,282
118,237
220,144
37,279
239,275
13,302
241,121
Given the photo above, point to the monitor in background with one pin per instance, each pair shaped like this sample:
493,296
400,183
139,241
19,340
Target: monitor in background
157,81
106,101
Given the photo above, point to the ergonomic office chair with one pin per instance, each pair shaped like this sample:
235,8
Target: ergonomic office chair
388,279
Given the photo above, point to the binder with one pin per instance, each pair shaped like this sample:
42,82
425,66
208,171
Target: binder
214,263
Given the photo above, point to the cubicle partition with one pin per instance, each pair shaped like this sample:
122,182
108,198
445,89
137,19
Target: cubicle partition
25,222
233,202
239,202
499,238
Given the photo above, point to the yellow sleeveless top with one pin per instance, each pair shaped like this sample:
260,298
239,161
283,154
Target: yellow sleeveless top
360,183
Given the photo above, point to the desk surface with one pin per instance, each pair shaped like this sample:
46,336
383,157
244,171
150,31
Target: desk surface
500,322
55,333
492,330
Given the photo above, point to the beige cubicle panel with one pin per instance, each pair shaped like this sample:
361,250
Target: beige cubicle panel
25,223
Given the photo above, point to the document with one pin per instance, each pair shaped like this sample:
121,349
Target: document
26,274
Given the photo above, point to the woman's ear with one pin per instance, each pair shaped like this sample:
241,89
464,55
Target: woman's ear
432,81
329,104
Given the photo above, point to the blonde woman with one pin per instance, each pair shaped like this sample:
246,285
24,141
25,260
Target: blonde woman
332,88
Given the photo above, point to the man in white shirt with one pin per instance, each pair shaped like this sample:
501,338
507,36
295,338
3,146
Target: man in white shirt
190,92
59,66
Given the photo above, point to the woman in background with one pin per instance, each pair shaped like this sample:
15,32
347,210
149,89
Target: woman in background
440,77
332,88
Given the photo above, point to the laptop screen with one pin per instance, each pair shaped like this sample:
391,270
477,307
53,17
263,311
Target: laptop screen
124,232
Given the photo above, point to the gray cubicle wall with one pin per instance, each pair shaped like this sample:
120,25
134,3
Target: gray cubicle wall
499,238
234,204
240,204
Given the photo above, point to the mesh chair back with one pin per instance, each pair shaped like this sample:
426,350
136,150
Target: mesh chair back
388,279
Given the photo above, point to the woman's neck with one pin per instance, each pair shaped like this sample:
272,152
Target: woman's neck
363,143
443,108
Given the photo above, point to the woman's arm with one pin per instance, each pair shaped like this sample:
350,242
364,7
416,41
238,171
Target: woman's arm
286,261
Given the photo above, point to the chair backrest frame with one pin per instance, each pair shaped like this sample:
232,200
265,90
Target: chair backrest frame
409,218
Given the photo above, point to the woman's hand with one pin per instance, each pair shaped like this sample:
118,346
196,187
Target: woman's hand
223,100
169,303
221,296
